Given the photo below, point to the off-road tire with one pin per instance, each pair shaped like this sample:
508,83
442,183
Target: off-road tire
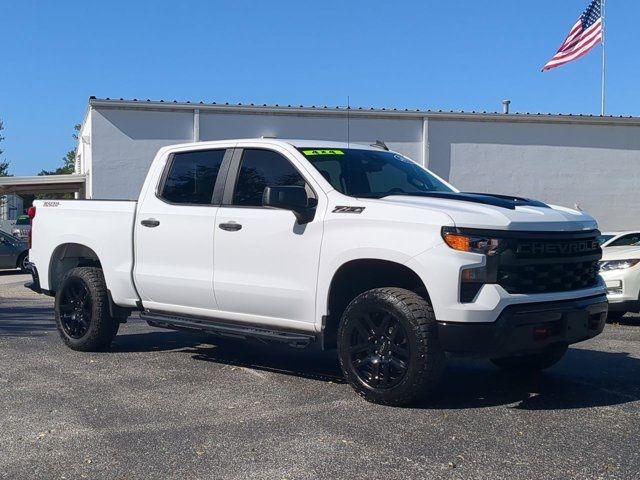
533,362
426,359
102,327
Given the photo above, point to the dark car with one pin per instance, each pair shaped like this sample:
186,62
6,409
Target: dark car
14,252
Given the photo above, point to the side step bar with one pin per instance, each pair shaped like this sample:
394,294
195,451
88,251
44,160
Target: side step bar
225,329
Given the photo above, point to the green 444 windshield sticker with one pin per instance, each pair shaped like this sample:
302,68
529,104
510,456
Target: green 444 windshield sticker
323,152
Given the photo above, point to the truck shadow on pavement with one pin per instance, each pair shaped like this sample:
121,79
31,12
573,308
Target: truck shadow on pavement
26,321
583,379
311,364
7,273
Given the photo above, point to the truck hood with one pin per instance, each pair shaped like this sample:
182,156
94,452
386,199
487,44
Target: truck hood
476,211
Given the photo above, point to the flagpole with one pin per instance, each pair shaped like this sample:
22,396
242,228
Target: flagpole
604,69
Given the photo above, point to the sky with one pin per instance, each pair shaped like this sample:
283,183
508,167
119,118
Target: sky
450,55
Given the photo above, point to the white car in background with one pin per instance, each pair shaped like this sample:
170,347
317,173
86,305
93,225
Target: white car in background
620,239
620,269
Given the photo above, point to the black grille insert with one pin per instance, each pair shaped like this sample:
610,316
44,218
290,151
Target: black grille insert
549,262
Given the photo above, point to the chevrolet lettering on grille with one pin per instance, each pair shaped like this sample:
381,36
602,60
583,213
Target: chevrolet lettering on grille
555,248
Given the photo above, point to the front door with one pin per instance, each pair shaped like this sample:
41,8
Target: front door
266,264
7,252
175,235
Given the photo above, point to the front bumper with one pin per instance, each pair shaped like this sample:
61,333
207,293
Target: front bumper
623,289
527,328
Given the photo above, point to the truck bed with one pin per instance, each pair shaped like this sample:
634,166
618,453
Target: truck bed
105,226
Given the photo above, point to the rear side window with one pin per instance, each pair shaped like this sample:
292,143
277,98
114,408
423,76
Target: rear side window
192,176
260,169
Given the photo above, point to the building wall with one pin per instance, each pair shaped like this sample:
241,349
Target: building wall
403,135
11,207
594,166
124,143
83,152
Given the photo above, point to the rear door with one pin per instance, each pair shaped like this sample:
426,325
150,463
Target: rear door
175,233
266,264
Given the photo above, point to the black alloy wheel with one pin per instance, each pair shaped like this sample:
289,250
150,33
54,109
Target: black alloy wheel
83,311
379,349
388,346
75,308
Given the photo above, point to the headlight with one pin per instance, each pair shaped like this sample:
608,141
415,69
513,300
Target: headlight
470,243
618,264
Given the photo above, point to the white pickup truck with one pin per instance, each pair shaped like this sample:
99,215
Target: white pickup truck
343,246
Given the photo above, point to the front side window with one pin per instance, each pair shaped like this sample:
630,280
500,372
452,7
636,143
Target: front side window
192,176
372,173
260,169
604,238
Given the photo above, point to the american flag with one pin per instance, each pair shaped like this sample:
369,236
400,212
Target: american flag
584,35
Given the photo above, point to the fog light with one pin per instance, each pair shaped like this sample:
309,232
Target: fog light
614,288
471,281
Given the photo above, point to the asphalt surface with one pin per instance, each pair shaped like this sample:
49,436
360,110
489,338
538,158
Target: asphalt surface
164,404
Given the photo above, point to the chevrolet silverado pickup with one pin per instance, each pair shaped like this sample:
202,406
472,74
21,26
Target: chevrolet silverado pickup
342,246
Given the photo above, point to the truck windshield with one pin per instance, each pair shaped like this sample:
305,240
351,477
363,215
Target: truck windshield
371,173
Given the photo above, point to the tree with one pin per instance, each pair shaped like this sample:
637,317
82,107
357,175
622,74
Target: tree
69,160
4,165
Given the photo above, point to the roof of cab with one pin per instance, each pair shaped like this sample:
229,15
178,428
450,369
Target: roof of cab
298,143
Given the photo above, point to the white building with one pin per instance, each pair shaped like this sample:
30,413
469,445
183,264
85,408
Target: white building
11,207
593,162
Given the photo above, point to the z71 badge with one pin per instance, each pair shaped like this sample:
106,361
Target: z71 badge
348,209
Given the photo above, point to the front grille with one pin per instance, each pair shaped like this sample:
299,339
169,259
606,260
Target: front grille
546,263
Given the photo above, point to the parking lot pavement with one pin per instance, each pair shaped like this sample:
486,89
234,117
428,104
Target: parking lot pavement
164,404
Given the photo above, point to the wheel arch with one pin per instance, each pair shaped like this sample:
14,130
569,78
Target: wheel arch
19,257
68,256
356,276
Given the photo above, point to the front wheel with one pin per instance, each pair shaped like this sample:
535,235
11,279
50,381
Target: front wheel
388,346
82,311
532,362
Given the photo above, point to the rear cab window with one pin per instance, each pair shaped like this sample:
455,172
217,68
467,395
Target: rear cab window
191,177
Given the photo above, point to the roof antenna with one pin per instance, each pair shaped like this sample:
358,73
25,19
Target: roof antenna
380,144
348,122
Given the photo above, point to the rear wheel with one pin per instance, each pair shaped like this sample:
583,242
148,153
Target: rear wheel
388,346
23,259
533,362
82,311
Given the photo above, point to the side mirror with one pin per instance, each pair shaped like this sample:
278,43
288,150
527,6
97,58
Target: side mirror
290,198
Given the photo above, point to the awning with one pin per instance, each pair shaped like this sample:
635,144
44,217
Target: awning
43,184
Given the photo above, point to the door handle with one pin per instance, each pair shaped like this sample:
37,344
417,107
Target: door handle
150,222
230,227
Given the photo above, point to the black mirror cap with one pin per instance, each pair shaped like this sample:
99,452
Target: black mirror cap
292,198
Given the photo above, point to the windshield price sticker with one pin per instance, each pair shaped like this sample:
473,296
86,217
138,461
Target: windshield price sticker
323,152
